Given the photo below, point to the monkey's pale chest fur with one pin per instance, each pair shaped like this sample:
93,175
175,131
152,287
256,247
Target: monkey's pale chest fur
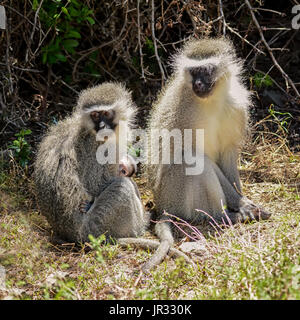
221,124
223,117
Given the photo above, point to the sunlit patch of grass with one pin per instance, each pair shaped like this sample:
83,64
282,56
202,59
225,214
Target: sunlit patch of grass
246,261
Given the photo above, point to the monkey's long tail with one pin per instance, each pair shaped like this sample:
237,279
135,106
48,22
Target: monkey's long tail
164,233
163,248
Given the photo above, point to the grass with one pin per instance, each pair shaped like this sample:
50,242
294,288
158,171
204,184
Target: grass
246,261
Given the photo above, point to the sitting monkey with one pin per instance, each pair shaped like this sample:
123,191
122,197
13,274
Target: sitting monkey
205,92
67,171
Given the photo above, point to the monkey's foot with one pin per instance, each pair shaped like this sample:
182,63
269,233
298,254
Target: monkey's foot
250,211
85,206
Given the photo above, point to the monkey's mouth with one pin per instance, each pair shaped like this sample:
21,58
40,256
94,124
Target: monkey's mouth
104,134
203,90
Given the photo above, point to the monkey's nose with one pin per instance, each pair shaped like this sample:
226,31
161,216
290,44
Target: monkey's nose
201,88
102,125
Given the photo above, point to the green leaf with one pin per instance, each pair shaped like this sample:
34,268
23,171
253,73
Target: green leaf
35,4
76,3
44,58
23,133
73,34
52,59
60,57
262,80
90,20
65,11
70,43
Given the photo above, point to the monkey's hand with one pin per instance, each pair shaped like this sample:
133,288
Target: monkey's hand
249,211
85,206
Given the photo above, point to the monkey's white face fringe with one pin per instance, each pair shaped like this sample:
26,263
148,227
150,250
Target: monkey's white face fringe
184,63
171,144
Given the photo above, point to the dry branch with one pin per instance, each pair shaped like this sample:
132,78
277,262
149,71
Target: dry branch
285,76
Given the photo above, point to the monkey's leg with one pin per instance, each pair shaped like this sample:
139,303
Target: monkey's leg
180,195
117,211
245,208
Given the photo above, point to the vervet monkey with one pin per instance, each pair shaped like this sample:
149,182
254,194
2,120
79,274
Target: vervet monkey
206,92
67,171
79,196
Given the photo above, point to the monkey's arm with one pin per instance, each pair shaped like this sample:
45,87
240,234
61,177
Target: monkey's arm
228,165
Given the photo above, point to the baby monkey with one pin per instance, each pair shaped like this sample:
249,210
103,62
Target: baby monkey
127,168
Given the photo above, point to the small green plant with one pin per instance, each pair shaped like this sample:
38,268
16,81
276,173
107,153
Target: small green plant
65,18
150,46
282,118
135,152
104,250
65,290
21,147
96,244
262,80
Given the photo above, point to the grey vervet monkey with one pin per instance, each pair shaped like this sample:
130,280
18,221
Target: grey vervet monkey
67,171
78,195
206,92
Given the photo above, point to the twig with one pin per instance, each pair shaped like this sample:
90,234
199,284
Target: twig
222,15
182,222
33,30
2,104
155,44
22,69
63,82
272,11
8,58
89,51
285,76
20,14
245,40
139,39
226,25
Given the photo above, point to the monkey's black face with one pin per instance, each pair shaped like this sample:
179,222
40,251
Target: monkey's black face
203,79
103,120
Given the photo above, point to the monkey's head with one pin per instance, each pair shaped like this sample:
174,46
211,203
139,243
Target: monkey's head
127,166
205,64
102,107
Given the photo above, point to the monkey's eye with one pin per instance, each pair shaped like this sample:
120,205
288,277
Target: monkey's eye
108,114
195,71
95,115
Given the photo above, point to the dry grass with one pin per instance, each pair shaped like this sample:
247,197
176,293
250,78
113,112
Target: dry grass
252,261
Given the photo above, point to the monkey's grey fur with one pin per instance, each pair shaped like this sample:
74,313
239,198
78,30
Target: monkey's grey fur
220,108
67,172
